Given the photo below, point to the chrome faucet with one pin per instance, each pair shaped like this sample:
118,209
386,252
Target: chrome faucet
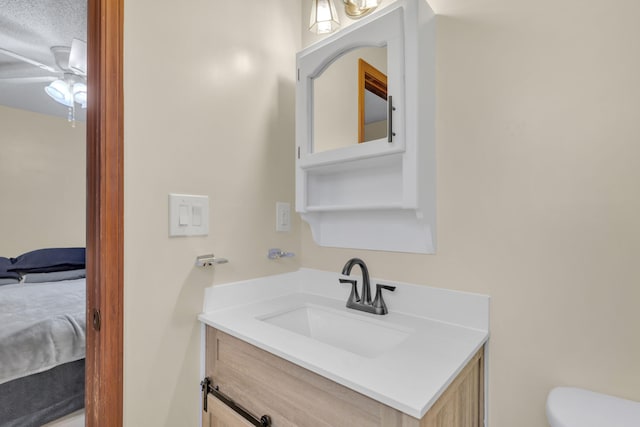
377,306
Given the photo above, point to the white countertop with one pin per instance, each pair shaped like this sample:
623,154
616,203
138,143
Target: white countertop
445,329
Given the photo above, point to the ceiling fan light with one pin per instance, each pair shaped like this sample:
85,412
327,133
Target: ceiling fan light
79,88
81,98
59,91
80,94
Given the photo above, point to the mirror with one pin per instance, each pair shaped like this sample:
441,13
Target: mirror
372,102
349,100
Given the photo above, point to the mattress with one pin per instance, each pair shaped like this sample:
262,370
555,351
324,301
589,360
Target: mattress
42,325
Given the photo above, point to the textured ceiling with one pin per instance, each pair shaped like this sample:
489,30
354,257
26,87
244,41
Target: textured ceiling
29,28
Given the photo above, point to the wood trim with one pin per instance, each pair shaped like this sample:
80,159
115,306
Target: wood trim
105,138
373,80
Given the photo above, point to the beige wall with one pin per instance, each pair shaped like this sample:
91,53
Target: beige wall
538,159
209,110
42,182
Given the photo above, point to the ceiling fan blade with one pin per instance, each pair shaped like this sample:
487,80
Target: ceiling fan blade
78,57
41,79
27,60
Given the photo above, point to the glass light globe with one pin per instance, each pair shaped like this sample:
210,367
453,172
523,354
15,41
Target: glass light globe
59,91
324,18
80,94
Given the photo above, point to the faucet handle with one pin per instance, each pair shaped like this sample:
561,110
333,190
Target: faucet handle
378,302
354,297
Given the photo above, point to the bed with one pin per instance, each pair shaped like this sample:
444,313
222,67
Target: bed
42,346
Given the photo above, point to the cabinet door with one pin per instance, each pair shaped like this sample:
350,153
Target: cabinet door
220,415
327,92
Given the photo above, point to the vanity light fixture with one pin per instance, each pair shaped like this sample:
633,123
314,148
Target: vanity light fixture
358,8
324,18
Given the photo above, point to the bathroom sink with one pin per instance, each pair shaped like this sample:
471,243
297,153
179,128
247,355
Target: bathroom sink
351,332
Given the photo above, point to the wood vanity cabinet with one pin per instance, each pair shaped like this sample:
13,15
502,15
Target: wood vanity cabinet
220,415
264,384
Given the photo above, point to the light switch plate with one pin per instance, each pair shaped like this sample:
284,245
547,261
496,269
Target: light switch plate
188,215
283,216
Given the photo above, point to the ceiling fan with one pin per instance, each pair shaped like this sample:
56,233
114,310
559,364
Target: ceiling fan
67,80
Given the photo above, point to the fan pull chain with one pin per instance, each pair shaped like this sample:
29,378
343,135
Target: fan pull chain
71,117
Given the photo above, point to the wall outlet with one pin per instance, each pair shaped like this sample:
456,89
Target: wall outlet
283,216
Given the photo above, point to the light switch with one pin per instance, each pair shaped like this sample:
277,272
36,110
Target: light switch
183,219
283,216
188,215
196,215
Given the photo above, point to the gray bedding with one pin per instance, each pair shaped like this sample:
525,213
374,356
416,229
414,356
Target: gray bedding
42,325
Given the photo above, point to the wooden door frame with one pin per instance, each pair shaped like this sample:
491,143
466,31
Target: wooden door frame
105,231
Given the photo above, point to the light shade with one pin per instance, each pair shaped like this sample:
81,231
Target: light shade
324,18
359,8
368,4
60,92
80,94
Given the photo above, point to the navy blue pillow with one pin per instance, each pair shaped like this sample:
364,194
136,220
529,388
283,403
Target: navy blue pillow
49,260
5,263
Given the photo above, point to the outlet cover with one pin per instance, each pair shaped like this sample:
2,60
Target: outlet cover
283,216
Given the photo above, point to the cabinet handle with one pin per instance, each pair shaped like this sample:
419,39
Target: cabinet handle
391,109
207,388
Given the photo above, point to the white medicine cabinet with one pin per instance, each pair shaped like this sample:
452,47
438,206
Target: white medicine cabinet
365,132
